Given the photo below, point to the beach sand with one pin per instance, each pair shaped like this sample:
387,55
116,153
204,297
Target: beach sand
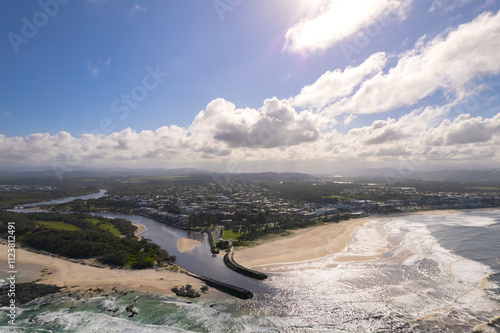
77,277
140,228
312,243
186,244
305,244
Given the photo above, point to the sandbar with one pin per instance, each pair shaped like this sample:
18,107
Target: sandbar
186,244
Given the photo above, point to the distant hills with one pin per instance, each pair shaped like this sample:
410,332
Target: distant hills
379,175
387,174
124,172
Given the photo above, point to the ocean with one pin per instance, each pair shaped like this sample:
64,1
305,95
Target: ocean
414,273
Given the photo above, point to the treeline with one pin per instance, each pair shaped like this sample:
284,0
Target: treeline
9,199
254,226
91,238
95,205
300,192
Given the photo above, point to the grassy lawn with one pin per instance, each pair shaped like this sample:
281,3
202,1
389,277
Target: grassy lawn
109,227
229,234
57,225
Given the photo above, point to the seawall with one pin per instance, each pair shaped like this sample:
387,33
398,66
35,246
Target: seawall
224,287
213,249
233,265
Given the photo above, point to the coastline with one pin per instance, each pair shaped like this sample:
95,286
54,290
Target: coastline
79,277
312,243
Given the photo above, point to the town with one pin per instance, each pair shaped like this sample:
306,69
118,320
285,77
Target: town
252,209
246,207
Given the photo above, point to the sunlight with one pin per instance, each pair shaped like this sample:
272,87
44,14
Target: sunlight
334,23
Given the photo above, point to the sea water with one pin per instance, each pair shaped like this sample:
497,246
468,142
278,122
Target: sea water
414,273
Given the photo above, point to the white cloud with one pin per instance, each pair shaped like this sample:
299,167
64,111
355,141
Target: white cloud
349,119
108,61
341,20
422,135
447,5
445,63
94,70
136,9
275,124
333,85
465,130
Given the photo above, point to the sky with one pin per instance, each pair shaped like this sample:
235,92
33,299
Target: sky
317,86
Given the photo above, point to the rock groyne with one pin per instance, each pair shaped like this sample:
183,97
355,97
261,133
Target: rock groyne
233,265
224,287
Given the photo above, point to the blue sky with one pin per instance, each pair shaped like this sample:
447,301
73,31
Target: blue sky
241,86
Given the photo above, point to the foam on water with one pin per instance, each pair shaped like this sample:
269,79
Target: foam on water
410,283
414,280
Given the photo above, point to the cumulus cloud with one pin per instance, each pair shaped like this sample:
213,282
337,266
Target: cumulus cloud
300,129
275,124
422,135
465,130
341,19
444,63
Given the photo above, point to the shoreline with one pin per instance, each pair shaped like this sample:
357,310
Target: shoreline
46,269
314,242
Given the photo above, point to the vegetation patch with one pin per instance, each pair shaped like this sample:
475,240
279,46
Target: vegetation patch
57,225
80,236
230,234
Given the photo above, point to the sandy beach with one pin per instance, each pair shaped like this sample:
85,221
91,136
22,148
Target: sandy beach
305,244
311,243
75,276
186,244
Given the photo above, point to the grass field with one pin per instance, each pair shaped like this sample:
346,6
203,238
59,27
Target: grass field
57,225
229,234
109,227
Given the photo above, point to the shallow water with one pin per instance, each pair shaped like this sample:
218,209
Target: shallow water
423,273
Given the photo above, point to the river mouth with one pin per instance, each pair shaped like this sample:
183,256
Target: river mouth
425,273
198,260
